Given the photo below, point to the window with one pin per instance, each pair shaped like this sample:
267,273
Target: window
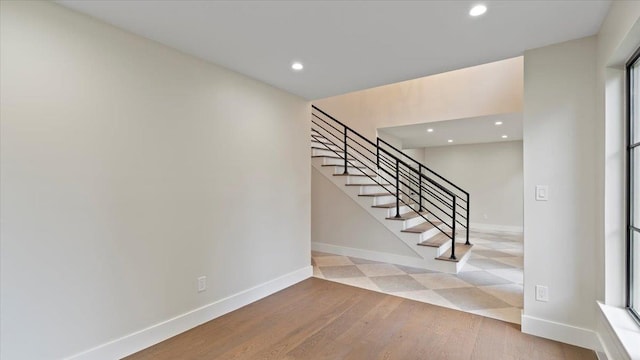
633,185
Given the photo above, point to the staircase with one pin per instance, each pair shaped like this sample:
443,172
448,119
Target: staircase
424,210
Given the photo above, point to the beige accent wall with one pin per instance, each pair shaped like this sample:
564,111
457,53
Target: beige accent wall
493,88
129,169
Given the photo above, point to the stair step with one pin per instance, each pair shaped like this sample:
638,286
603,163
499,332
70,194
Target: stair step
349,166
392,205
333,157
461,251
437,240
407,215
368,185
354,175
377,194
418,229
322,148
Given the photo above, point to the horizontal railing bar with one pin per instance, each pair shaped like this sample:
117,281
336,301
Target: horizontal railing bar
390,154
462,215
422,175
425,167
345,126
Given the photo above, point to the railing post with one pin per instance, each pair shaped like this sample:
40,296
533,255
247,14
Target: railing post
345,172
419,187
468,212
397,188
453,232
378,152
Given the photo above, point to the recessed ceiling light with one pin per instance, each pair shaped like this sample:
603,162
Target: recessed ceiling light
297,66
429,130
478,10
498,123
504,136
449,141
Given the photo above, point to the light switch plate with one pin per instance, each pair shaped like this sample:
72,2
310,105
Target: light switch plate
542,193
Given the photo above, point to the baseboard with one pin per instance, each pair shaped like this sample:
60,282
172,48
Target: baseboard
561,332
493,227
367,254
154,334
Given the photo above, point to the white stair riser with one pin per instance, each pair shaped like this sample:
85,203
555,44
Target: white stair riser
325,152
428,234
403,209
355,180
375,189
414,221
332,161
379,200
351,170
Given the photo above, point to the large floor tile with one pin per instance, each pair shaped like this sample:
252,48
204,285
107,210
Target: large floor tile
379,269
395,283
481,278
471,298
440,281
345,271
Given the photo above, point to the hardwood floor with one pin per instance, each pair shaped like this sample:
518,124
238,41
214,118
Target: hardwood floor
318,319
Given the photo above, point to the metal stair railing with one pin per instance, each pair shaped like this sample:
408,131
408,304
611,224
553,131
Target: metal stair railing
385,165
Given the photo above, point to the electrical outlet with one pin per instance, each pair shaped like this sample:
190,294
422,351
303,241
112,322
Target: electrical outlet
542,293
202,283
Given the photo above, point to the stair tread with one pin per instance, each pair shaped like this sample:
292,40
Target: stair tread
437,240
349,165
461,251
407,215
324,148
332,157
420,228
354,174
392,205
368,185
377,194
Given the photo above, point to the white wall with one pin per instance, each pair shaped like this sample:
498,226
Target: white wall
491,173
487,89
560,234
127,170
416,154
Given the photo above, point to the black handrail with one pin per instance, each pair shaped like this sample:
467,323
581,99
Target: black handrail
413,176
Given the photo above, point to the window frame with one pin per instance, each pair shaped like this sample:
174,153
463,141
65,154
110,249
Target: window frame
630,208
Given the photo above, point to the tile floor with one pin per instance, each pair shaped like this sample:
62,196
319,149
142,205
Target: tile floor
489,284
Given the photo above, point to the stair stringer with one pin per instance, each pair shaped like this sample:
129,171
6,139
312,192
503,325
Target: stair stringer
426,255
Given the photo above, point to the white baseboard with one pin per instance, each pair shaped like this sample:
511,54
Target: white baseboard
154,334
493,227
374,255
561,332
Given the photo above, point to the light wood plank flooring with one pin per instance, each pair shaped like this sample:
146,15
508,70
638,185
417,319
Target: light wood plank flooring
318,319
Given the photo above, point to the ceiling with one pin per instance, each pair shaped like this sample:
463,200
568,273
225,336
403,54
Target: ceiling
348,45
472,130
